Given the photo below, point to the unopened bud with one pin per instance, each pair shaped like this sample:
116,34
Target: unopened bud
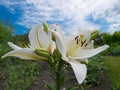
52,47
94,34
42,52
45,26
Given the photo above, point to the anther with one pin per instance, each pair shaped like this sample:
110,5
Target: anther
82,43
86,45
76,37
77,41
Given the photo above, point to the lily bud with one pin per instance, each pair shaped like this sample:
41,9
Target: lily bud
53,36
52,47
45,26
42,52
94,34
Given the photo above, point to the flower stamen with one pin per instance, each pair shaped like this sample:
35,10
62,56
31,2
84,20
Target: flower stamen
83,42
86,45
76,37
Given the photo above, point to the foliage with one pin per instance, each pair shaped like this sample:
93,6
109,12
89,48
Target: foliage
18,74
21,74
116,86
115,37
111,39
59,69
5,33
21,40
96,68
5,36
114,49
107,38
113,64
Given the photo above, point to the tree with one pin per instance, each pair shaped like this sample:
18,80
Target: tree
5,33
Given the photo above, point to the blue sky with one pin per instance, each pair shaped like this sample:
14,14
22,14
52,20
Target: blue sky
71,15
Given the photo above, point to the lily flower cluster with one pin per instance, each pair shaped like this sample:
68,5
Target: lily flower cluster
44,40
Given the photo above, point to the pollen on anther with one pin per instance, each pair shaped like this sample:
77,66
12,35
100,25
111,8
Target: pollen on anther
81,35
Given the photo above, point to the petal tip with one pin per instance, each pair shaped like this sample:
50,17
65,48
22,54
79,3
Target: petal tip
3,56
80,70
107,46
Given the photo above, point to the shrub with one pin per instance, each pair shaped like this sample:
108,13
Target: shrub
116,86
114,49
21,74
96,68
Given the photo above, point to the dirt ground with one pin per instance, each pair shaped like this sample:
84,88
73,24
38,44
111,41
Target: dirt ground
39,84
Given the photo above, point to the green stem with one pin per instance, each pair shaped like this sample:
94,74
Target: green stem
57,65
58,72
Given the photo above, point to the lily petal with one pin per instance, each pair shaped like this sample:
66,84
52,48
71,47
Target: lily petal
60,44
59,30
13,46
80,70
52,47
33,37
70,43
49,34
24,53
87,53
43,38
90,45
83,60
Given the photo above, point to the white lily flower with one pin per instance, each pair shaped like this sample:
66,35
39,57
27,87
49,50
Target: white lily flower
74,50
38,40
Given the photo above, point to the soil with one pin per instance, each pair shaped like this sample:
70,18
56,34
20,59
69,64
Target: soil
40,85
2,84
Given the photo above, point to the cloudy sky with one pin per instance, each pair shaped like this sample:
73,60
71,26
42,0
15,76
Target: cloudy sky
71,15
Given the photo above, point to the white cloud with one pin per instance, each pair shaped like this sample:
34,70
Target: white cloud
72,14
114,27
9,4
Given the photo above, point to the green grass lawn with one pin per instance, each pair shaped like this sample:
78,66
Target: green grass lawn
113,70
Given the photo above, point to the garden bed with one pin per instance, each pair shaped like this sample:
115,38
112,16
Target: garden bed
39,85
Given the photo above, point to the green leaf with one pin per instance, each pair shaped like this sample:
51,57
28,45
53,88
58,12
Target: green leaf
51,86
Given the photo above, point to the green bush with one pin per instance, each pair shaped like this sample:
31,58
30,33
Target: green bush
96,67
116,86
21,74
18,74
114,49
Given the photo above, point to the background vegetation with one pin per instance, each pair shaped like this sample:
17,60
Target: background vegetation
113,64
19,74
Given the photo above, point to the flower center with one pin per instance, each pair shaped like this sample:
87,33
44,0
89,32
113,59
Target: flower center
79,43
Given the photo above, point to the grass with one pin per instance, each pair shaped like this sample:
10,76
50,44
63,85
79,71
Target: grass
113,70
